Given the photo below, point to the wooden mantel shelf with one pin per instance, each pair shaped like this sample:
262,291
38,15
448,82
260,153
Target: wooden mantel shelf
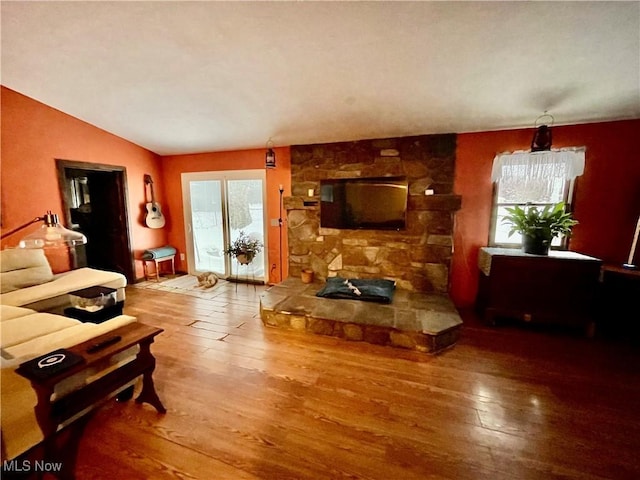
301,203
439,202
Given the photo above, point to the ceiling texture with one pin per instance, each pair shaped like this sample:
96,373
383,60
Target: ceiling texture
186,77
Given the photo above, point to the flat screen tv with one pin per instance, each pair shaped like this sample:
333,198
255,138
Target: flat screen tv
364,203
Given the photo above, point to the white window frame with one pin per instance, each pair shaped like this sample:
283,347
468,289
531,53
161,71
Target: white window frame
560,243
573,159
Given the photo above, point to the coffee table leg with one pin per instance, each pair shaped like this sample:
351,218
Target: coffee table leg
148,393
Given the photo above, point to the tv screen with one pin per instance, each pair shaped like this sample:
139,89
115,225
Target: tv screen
366,203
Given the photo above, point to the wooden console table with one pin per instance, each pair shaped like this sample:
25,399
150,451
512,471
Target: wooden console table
560,288
51,414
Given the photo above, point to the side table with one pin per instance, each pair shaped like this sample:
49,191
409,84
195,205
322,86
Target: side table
98,316
559,289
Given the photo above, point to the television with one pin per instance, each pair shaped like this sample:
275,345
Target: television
364,203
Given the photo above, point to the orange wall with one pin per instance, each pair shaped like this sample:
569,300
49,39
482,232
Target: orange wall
174,166
607,197
607,201
33,137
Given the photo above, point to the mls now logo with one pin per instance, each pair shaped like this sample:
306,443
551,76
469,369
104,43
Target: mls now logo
27,466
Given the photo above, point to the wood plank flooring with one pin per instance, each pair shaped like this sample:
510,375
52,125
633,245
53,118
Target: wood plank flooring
247,402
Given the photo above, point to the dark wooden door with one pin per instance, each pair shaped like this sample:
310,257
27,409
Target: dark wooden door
100,211
105,248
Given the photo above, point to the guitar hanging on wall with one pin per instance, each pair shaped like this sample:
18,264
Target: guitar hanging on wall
154,218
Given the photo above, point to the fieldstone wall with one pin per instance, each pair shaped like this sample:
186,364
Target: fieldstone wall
417,258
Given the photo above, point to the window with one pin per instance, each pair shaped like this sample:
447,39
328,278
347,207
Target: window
538,179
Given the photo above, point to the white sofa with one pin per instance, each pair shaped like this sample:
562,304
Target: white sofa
26,334
28,285
26,280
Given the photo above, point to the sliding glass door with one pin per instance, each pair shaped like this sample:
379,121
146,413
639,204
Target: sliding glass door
217,207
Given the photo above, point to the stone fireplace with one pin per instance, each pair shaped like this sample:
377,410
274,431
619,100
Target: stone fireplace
421,316
417,258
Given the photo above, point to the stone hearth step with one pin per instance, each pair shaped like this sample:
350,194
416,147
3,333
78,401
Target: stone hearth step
420,321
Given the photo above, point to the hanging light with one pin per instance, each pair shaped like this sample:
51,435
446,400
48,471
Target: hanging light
542,136
50,234
541,162
270,158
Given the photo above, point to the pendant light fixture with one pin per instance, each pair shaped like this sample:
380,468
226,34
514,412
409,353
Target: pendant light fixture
542,136
270,157
541,161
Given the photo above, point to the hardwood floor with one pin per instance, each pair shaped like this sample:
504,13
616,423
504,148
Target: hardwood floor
247,402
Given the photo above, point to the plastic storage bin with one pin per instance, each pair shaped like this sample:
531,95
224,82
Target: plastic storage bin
93,299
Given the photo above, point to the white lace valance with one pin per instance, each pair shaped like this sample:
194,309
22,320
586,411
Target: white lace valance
567,163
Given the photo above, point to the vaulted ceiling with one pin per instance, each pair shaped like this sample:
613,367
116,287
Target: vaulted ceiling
185,77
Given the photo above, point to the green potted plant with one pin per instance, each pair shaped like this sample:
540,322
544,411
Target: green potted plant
244,248
539,227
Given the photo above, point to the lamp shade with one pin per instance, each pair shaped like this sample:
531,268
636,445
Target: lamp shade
51,234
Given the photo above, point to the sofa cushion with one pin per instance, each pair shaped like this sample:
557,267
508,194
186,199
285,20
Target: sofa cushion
23,329
21,268
25,277
63,338
8,312
19,258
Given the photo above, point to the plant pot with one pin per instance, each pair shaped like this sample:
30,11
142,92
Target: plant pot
306,275
245,258
535,245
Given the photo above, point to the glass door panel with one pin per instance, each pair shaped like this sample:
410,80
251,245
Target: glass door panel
246,214
217,207
207,226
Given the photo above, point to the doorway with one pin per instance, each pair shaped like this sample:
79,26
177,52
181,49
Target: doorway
95,203
218,206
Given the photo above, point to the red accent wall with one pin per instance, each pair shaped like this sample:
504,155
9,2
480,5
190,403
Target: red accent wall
34,135
607,196
174,166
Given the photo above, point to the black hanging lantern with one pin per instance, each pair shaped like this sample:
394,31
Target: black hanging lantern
270,157
542,136
541,139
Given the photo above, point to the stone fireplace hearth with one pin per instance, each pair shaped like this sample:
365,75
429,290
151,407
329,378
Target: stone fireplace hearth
415,321
416,258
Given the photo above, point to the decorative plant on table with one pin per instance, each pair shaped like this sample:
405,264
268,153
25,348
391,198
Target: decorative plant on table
244,248
539,227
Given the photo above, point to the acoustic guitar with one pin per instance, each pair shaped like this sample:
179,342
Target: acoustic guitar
154,218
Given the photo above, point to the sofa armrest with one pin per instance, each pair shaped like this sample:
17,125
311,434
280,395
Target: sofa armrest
54,294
